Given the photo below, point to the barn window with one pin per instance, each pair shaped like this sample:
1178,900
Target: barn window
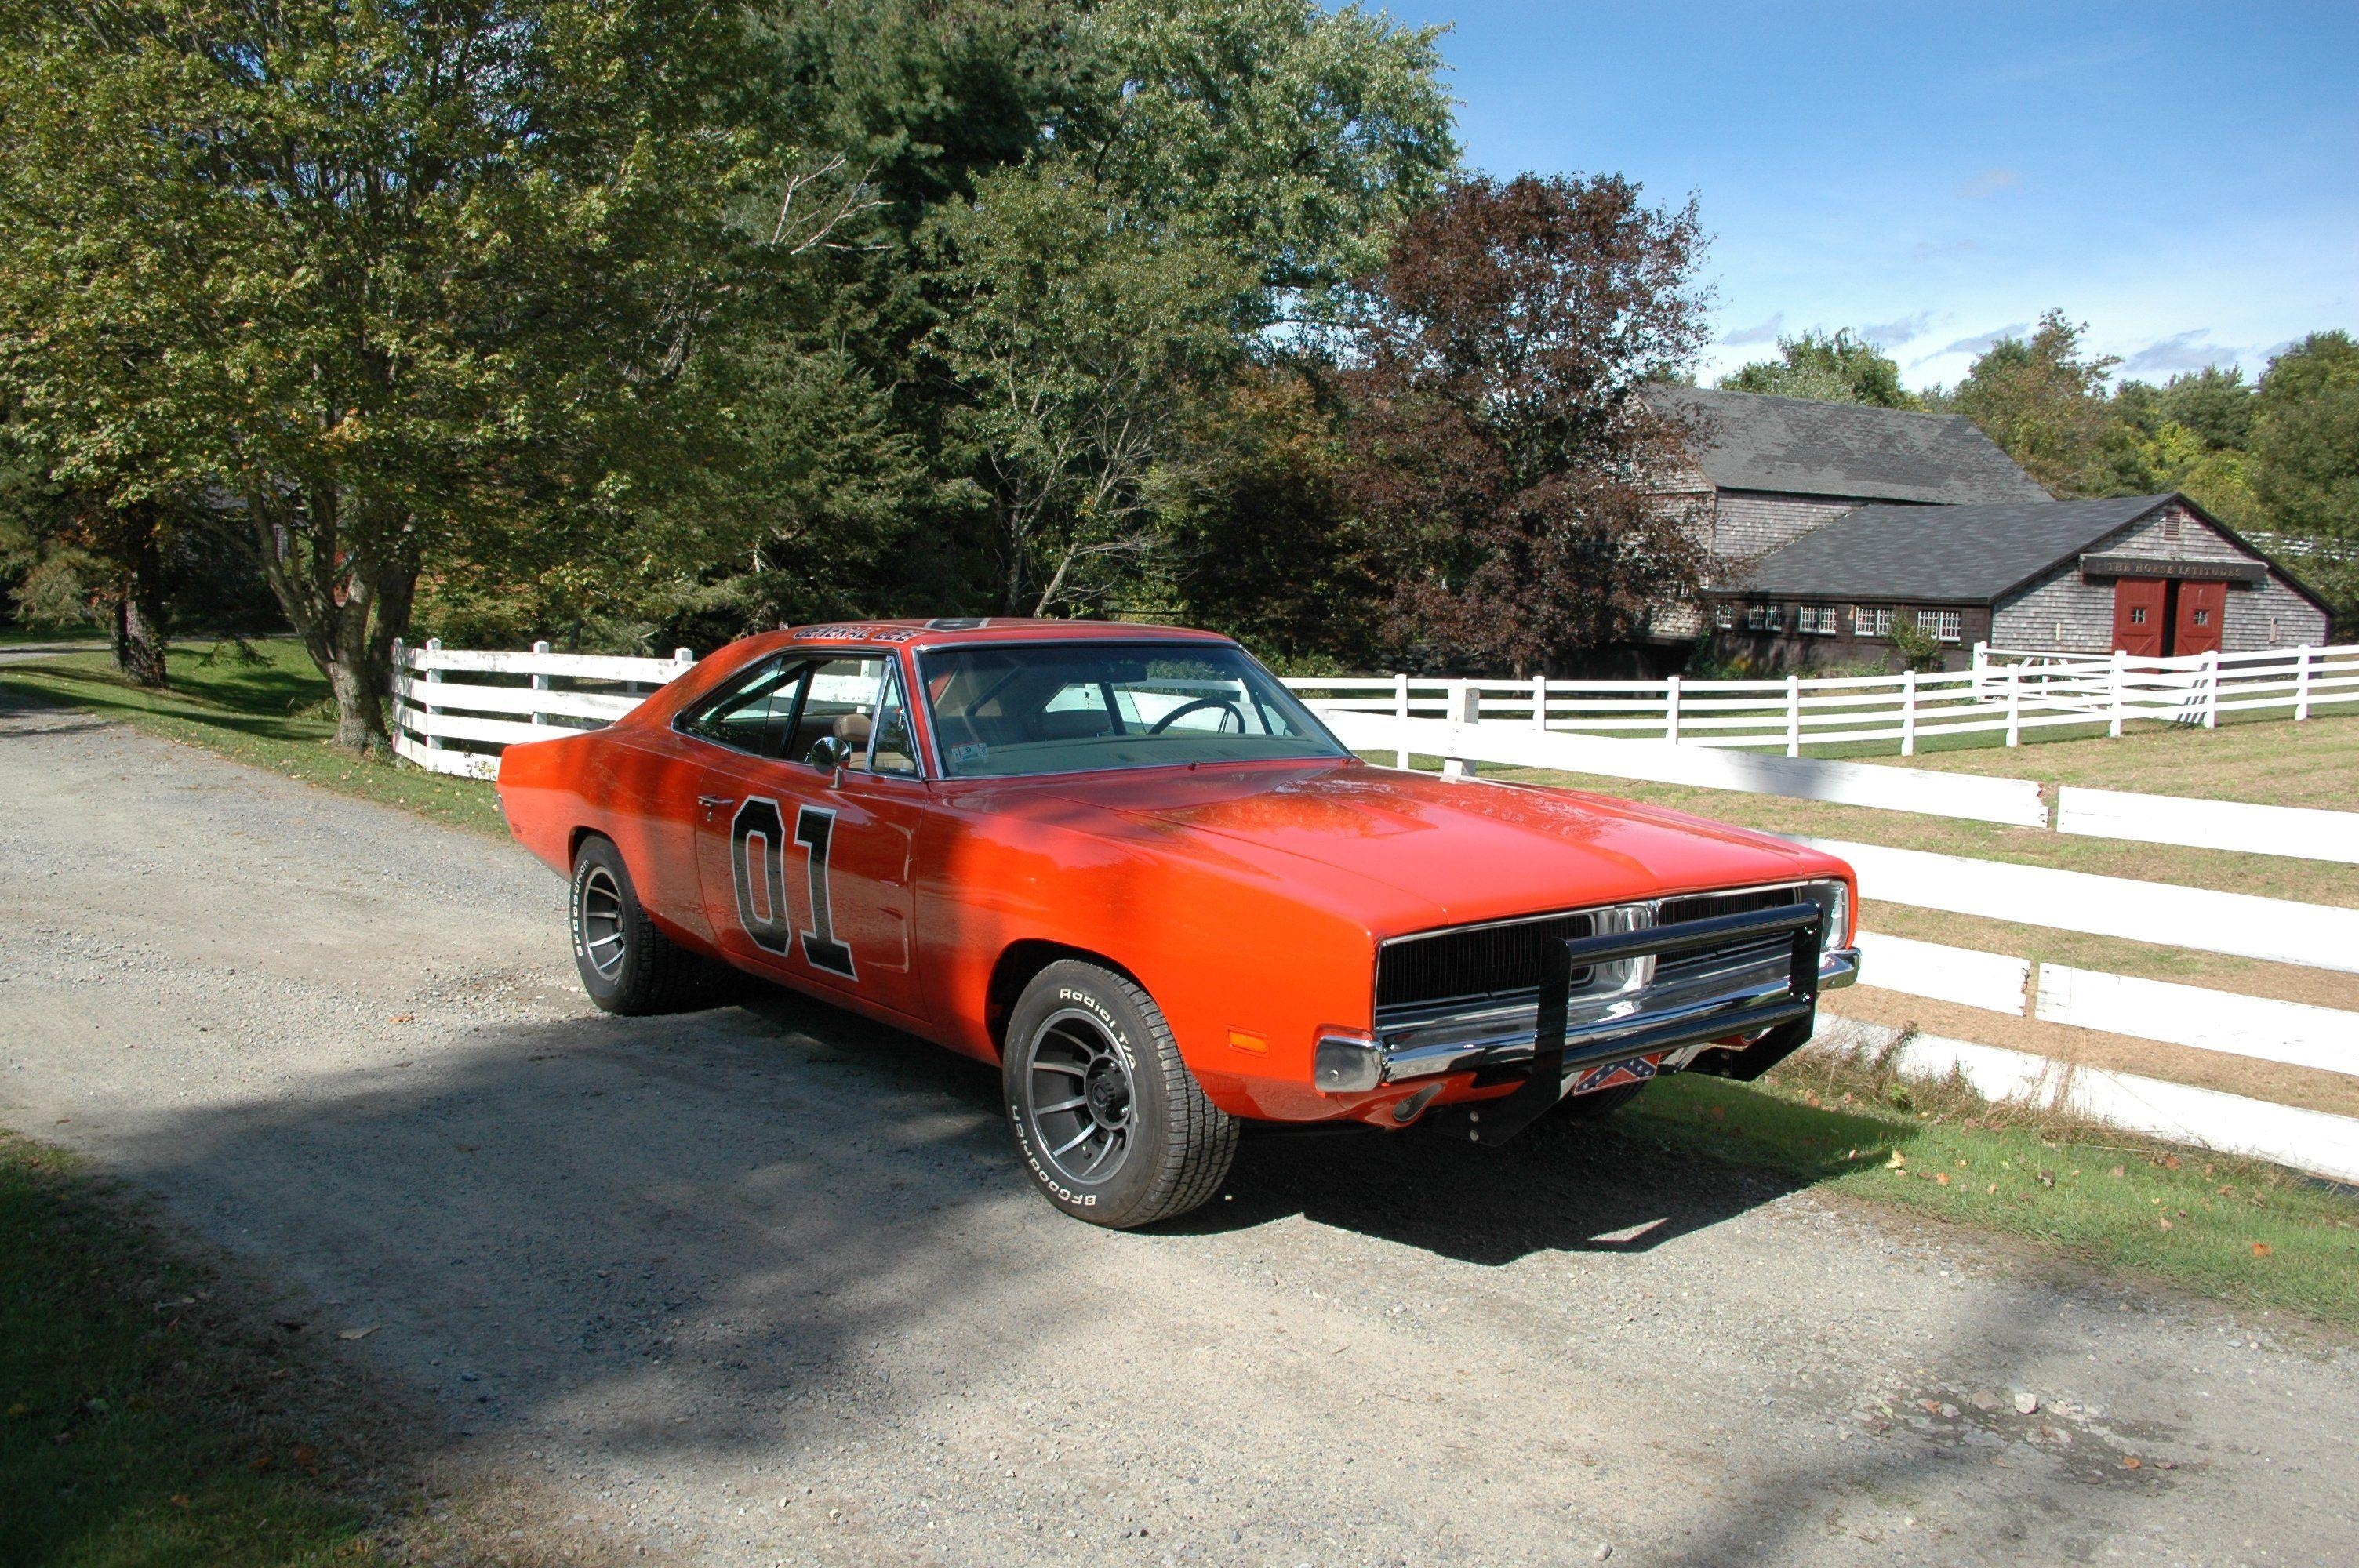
2137,614
1818,620
1723,616
2171,527
2204,618
1947,625
1867,623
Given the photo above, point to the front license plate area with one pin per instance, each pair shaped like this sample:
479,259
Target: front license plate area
1613,1074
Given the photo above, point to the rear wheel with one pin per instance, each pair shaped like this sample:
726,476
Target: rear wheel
1112,1125
627,966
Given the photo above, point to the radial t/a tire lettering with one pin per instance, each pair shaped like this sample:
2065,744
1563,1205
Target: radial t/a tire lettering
1111,1125
627,966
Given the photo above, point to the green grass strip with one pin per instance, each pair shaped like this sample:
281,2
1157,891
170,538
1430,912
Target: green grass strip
2240,1230
133,1430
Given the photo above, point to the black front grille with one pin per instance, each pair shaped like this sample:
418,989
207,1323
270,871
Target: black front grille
1481,964
1735,955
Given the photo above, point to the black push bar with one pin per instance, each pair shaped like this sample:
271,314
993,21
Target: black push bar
1496,1121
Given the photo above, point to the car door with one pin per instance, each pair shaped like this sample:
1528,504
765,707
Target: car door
804,864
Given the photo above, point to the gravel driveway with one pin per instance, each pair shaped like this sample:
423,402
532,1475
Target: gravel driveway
763,1284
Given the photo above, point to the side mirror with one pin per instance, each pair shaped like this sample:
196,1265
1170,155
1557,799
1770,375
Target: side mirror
829,754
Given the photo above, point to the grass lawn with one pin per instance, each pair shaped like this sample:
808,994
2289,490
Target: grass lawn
2235,1229
140,1424
273,715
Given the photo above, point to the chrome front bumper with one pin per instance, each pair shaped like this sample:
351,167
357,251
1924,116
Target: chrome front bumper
1681,1017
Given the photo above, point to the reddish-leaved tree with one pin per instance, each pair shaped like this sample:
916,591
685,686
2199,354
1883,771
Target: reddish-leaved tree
1499,441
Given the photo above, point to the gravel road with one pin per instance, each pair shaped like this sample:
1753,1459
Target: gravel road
763,1284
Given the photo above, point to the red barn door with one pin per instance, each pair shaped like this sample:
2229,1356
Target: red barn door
2140,605
2196,627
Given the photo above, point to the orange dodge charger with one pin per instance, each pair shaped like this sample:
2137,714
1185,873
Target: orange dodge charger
1126,865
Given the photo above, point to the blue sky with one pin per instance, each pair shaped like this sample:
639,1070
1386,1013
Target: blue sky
2185,178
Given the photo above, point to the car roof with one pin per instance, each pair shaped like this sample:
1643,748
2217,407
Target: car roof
970,630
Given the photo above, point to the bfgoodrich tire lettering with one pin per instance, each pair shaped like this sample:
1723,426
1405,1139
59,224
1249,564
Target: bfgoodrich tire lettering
1109,1122
627,966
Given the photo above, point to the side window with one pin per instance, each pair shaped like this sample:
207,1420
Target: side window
753,713
894,749
843,703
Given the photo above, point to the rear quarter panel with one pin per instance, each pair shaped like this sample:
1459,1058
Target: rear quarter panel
631,787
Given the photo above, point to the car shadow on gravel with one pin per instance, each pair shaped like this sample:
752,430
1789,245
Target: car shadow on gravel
1567,1184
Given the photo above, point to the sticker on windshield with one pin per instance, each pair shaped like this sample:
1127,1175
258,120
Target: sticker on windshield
968,752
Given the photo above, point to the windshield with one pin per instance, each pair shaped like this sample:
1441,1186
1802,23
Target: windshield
1082,706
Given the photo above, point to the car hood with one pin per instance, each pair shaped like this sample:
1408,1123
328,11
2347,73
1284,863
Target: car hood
1457,850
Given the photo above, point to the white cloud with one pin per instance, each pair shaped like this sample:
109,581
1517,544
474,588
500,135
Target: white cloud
1990,182
2181,350
1892,334
1976,345
1765,333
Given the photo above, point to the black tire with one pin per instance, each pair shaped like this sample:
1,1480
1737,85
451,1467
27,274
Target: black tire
1099,1043
627,966
1599,1102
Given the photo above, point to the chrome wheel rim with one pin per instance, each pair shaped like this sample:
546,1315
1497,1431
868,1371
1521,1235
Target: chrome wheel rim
598,933
1079,1099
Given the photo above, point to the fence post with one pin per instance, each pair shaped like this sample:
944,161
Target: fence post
1671,710
400,673
1540,702
540,680
2212,689
1982,669
2119,676
1793,715
433,677
2301,683
682,656
2014,707
1465,708
1908,713
1401,711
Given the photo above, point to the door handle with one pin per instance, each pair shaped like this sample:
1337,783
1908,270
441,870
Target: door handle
710,801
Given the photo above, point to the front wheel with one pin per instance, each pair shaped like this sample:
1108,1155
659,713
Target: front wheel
1112,1125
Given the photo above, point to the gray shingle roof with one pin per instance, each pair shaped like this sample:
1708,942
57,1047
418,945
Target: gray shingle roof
1969,554
1753,441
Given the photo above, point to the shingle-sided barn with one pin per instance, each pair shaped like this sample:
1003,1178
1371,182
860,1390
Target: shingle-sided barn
1831,522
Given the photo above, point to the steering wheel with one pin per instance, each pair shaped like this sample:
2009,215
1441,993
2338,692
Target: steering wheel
1161,725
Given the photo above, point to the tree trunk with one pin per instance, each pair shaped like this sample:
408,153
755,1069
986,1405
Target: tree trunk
137,628
347,592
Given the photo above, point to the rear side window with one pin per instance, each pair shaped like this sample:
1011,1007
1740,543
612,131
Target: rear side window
753,712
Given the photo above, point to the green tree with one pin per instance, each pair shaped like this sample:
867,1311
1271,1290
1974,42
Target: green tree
2305,446
1086,341
2043,400
383,283
1838,368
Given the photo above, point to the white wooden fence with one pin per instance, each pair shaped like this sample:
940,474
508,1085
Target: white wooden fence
2008,693
439,723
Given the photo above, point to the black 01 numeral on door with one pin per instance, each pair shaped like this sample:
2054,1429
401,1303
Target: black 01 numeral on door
815,830
758,823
